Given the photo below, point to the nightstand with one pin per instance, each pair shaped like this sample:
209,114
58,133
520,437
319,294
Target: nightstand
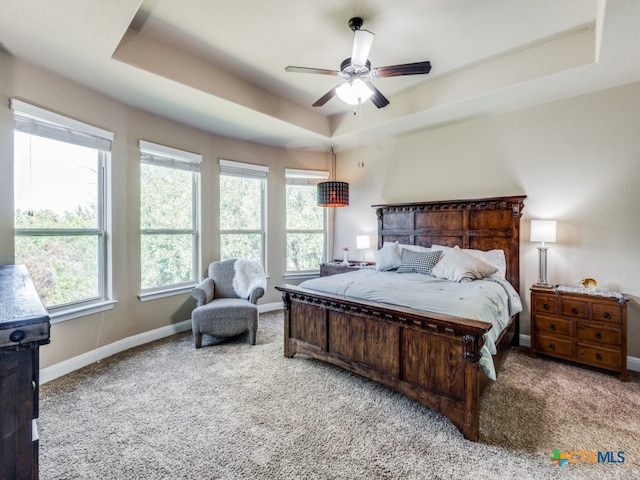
580,326
327,269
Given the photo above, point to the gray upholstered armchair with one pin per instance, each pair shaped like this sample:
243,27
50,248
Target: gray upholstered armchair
227,300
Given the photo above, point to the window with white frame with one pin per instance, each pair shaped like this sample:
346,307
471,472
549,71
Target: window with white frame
306,221
60,206
242,210
169,218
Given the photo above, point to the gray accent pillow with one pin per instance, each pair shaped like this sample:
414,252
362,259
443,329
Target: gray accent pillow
418,262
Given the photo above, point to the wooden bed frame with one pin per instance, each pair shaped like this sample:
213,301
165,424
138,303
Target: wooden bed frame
429,357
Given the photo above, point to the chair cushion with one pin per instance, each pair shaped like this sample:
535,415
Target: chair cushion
225,317
226,307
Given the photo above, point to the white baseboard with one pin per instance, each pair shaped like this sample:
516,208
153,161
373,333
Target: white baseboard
633,363
270,307
75,363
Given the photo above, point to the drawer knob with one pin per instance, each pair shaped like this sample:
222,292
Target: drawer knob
546,306
552,346
574,310
17,335
598,356
598,334
552,326
607,315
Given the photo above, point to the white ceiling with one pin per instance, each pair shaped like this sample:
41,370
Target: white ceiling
219,65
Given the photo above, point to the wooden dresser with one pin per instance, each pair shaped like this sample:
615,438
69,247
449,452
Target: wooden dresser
584,328
24,326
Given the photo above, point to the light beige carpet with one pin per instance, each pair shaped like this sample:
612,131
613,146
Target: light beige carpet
231,411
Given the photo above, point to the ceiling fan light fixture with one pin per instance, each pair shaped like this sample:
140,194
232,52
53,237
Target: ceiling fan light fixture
354,92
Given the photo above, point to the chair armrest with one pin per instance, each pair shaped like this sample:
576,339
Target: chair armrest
203,293
255,294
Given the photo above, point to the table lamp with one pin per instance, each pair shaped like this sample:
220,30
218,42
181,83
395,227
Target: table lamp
362,243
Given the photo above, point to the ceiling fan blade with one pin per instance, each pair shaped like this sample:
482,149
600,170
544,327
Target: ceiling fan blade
362,41
311,70
418,68
325,98
378,99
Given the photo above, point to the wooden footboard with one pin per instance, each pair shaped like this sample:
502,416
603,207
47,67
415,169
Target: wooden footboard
429,357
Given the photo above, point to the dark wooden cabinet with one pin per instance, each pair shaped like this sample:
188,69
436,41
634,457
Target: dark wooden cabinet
589,329
24,326
327,269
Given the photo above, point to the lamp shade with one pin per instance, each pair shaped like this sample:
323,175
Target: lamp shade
355,92
543,231
362,242
333,194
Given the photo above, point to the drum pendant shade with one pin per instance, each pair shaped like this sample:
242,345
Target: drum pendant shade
333,194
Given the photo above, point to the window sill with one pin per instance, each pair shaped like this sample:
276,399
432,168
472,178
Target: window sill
167,292
82,311
294,275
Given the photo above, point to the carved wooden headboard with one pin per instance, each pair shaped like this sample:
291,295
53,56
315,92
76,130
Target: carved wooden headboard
483,224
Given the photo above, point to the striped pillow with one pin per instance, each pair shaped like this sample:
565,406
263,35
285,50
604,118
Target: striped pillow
418,262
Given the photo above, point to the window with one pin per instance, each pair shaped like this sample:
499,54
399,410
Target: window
169,234
242,210
306,221
60,203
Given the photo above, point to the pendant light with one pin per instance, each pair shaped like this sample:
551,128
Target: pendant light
333,193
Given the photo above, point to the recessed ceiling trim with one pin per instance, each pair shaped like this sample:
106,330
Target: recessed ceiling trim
142,51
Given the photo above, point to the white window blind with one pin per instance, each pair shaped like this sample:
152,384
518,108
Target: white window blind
38,121
161,155
305,177
246,170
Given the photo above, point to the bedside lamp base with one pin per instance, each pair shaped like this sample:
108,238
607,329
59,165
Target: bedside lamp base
542,268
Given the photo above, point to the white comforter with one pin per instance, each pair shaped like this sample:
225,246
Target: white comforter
491,300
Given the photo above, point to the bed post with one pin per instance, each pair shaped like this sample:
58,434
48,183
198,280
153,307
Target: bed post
286,300
471,427
379,215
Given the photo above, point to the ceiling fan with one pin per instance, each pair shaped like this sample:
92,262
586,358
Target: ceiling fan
356,70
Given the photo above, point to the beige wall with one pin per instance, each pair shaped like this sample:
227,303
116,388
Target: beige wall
577,160
130,316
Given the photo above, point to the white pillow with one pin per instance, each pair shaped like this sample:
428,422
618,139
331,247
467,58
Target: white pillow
458,266
388,257
492,257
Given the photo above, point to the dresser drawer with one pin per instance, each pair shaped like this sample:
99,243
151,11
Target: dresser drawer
606,313
600,357
554,346
574,308
596,334
545,304
552,325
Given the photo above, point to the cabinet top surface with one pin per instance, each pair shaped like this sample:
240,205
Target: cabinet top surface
19,300
596,295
